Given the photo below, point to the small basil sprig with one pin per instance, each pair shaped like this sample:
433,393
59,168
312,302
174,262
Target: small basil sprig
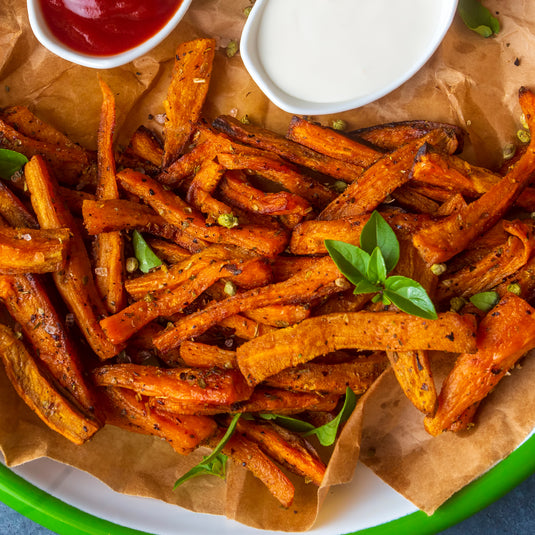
215,463
367,268
11,162
144,254
326,433
478,18
485,301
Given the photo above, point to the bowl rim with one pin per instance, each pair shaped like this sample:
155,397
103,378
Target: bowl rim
299,106
48,40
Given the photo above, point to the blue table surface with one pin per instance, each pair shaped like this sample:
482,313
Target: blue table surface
513,514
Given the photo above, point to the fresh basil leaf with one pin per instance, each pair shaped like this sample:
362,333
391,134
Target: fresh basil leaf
409,296
214,463
478,18
145,255
293,424
376,268
327,433
349,259
378,233
366,287
485,300
11,162
214,467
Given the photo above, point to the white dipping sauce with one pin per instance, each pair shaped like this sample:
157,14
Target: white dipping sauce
336,50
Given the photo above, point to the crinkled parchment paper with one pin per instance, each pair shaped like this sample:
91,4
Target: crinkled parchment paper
470,81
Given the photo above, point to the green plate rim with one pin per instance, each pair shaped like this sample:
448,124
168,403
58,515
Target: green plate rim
62,518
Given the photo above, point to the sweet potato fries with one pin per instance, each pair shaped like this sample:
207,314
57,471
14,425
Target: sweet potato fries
245,313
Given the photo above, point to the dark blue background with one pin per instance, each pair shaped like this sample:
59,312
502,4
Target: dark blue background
514,514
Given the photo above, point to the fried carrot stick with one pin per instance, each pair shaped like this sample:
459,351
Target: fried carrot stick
331,143
265,241
109,246
28,304
263,399
289,150
444,239
381,179
501,262
248,454
277,170
127,410
75,283
186,94
40,394
320,280
504,335
182,384
121,214
28,250
391,331
287,448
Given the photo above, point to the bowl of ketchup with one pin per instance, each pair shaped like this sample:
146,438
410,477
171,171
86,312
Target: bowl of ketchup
103,34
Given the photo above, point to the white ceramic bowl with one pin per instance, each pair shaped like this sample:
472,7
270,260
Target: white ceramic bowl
251,56
47,39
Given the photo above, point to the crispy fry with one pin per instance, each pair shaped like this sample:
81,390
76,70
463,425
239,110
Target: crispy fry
244,327
289,150
441,241
167,251
381,179
127,410
263,399
241,193
285,447
283,173
410,199
181,384
121,326
27,250
109,246
201,188
452,173
249,455
413,373
391,136
186,94
377,331
39,393
120,214
75,283
72,164
28,304
357,374
199,355
145,145
279,315
74,199
13,211
315,282
174,210
500,263
505,334
331,143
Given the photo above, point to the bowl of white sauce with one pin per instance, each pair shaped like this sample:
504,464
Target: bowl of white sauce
314,57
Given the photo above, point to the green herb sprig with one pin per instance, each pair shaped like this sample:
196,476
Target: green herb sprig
11,162
478,18
326,433
215,463
144,254
367,267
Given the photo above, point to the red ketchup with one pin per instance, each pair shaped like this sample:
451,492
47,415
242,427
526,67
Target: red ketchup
105,27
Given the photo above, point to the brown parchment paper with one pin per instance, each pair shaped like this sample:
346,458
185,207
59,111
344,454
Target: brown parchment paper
469,81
